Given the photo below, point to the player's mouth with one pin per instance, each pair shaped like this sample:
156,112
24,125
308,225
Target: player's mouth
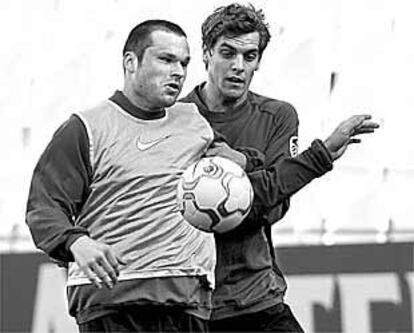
235,80
173,87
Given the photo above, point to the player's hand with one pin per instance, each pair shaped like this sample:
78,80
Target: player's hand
345,134
222,149
97,260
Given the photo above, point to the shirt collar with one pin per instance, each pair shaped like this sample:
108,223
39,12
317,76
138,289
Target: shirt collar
122,101
231,113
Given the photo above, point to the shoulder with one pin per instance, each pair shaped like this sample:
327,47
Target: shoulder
183,106
69,141
191,97
186,113
100,110
277,109
73,127
100,118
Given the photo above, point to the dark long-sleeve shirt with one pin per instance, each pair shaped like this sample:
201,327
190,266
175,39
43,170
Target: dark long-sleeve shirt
247,275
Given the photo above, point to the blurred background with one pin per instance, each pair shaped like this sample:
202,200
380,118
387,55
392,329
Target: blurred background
329,58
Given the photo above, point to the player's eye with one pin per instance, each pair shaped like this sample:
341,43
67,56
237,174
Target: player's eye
184,64
226,54
166,59
251,56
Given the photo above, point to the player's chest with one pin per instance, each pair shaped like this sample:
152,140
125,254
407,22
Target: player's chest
144,150
247,132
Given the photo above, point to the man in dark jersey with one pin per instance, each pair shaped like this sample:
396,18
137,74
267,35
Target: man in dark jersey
249,285
102,198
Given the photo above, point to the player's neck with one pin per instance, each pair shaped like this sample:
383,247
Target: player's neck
216,102
138,101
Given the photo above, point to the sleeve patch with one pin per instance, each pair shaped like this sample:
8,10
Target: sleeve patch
293,146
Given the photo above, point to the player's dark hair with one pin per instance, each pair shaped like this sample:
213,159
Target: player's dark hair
140,37
234,20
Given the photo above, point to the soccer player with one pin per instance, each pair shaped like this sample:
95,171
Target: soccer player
250,288
102,198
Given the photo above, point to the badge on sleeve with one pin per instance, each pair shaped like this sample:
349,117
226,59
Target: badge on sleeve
293,146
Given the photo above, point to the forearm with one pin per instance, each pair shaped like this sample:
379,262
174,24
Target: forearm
58,189
50,212
53,233
278,183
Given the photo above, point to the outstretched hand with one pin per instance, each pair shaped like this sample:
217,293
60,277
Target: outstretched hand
97,260
345,133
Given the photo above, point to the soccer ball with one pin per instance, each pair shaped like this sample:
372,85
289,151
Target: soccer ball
214,194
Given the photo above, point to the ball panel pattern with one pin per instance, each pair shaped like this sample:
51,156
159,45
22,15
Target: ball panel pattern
214,194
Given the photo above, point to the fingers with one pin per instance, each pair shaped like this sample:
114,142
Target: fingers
92,277
359,118
103,270
354,140
107,273
356,121
113,265
216,146
102,274
121,261
107,268
359,124
218,149
365,127
371,124
363,131
97,260
212,152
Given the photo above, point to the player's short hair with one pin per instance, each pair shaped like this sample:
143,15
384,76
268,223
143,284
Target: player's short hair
235,20
139,39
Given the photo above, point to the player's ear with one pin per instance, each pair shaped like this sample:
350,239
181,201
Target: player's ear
130,61
206,54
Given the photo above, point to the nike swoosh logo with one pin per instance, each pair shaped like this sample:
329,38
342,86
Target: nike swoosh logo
141,145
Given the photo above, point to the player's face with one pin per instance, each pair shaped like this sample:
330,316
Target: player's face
160,75
231,64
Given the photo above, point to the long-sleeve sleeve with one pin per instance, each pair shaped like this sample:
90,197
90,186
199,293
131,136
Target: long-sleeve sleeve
59,187
285,172
280,181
